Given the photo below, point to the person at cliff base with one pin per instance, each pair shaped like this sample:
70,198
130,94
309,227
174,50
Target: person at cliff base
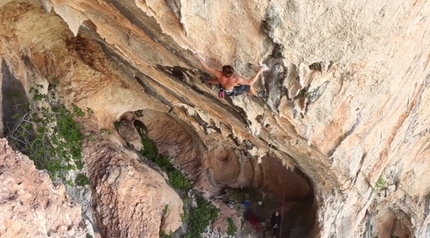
231,83
276,223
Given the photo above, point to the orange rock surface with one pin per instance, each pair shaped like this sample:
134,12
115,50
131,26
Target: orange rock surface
347,89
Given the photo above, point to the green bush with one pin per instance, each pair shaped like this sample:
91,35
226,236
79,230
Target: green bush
380,183
200,217
165,209
178,180
175,176
231,228
150,150
117,124
184,216
49,135
164,235
82,180
304,93
105,130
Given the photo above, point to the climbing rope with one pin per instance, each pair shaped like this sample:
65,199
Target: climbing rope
282,215
269,145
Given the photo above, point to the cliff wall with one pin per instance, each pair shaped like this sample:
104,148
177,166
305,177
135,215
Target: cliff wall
346,93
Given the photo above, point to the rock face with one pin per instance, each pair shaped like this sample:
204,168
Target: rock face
347,89
30,204
129,197
220,165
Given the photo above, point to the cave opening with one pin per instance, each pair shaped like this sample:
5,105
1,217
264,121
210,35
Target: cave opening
386,222
293,197
235,181
262,188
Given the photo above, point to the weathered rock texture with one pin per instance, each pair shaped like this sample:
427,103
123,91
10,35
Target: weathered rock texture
30,204
219,165
362,117
129,197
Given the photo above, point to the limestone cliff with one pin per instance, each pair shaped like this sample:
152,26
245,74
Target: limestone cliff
347,88
30,204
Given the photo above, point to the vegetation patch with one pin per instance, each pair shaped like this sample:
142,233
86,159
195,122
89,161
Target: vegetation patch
82,180
165,209
184,216
117,124
200,217
304,93
231,228
175,176
380,183
165,235
49,135
105,130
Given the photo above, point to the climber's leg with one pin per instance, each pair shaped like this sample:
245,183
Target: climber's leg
253,91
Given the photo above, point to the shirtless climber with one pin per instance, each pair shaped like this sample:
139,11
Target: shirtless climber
232,84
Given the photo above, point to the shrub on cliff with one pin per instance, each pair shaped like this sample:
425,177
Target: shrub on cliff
49,135
176,178
231,228
200,217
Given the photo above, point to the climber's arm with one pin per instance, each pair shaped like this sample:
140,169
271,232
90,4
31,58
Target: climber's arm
252,81
214,72
212,81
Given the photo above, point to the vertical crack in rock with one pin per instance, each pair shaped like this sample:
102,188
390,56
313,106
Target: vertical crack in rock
348,133
175,5
426,213
13,98
316,93
274,81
